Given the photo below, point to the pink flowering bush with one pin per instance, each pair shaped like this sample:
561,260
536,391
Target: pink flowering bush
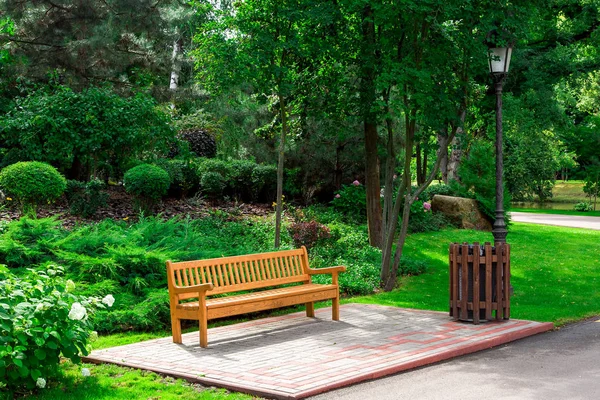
351,201
423,220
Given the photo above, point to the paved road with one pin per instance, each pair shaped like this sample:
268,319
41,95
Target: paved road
573,221
561,364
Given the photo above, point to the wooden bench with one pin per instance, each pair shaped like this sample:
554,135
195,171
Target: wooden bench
203,278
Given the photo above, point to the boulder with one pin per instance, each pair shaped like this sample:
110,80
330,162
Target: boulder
462,212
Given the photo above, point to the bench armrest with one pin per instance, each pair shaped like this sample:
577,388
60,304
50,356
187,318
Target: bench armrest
193,289
328,270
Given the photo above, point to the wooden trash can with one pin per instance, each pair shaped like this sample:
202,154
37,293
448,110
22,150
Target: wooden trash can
479,281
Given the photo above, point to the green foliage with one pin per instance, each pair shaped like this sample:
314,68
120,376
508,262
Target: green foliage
41,320
32,184
28,242
108,43
241,179
183,176
81,132
351,201
478,178
212,184
412,267
146,314
349,246
583,206
422,219
128,260
148,183
86,197
442,189
592,183
200,142
532,154
264,182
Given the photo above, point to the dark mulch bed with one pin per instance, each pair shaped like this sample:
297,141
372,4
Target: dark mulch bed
121,206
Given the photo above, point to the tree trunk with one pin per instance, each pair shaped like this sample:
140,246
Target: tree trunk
339,172
443,155
368,97
389,178
457,151
419,162
373,187
175,64
279,197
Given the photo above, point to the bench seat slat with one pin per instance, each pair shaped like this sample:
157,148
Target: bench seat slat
269,299
256,296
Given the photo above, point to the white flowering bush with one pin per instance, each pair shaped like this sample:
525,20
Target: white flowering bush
40,321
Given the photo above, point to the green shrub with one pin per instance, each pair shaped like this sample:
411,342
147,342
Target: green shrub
221,167
40,320
351,201
86,197
183,176
200,142
240,179
442,189
583,206
148,183
32,183
422,219
264,182
148,313
212,184
243,179
27,242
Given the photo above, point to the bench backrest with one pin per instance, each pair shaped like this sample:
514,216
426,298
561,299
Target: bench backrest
247,272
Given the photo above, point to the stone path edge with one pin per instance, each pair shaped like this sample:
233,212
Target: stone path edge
427,360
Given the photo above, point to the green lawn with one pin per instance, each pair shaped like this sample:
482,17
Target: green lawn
554,272
559,212
117,383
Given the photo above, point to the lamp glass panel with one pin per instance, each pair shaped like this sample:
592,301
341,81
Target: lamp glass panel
500,59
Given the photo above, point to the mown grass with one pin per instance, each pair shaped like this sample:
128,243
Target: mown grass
559,212
554,272
118,383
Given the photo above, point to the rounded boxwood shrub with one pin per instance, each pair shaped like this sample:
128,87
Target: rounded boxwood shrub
31,183
212,183
148,183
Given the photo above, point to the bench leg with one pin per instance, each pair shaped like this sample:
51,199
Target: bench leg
203,334
310,310
176,329
203,322
335,309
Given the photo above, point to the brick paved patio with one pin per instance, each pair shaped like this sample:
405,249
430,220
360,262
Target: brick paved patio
293,356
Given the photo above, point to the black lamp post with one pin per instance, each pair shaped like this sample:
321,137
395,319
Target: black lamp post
499,60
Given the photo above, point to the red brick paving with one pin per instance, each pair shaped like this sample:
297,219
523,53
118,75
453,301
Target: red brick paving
293,356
